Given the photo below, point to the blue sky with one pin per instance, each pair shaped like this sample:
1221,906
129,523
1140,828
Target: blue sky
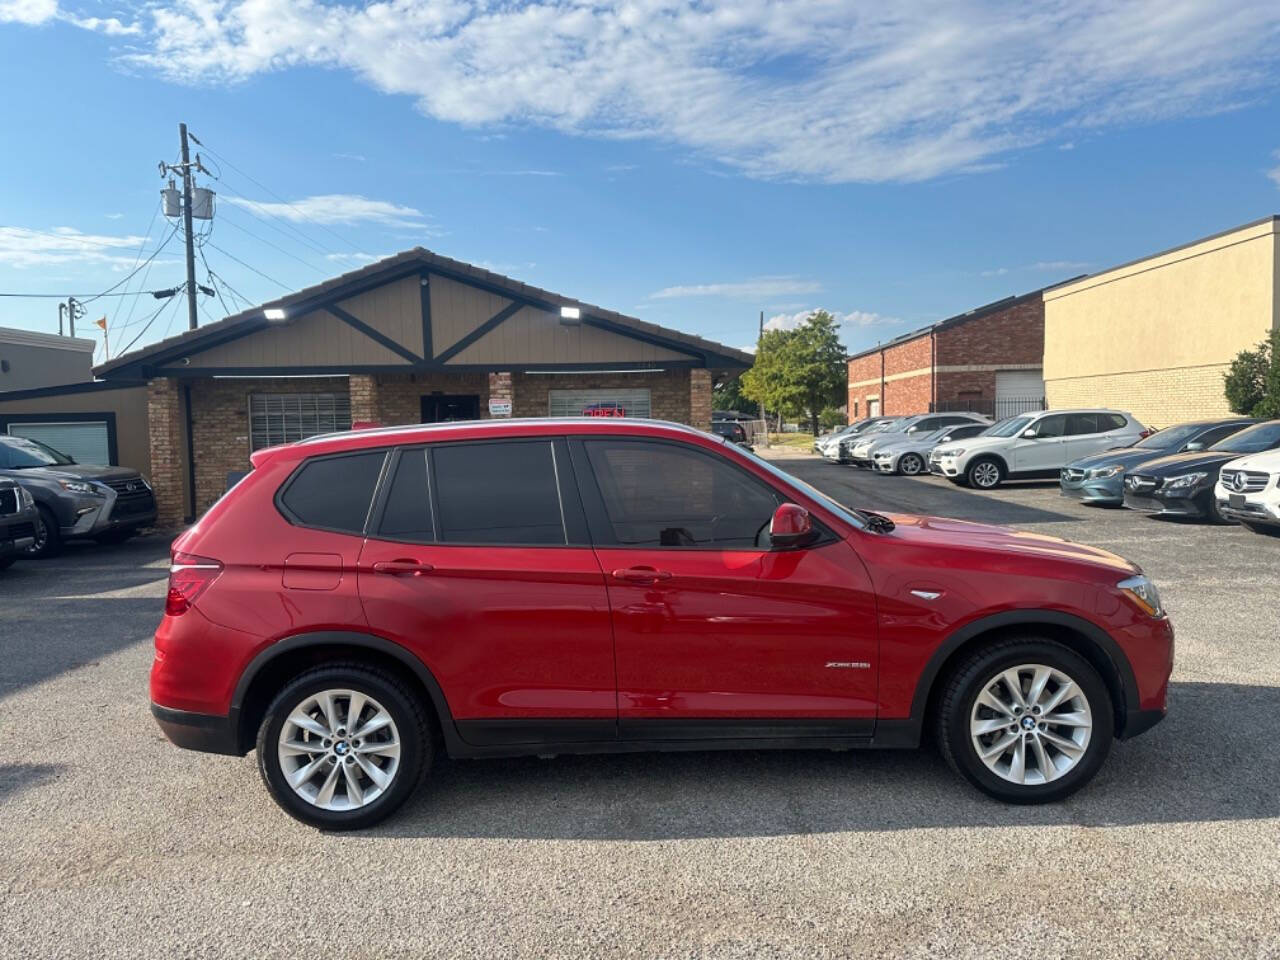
691,165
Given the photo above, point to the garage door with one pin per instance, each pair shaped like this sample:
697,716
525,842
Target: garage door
83,442
1018,391
598,403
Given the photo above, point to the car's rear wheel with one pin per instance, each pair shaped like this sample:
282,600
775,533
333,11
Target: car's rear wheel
910,464
48,539
984,474
343,746
1026,721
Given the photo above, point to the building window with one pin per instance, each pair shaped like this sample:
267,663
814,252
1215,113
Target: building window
276,418
598,403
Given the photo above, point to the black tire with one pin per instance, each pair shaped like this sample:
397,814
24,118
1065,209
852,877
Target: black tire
911,464
406,710
119,535
48,534
980,477
971,677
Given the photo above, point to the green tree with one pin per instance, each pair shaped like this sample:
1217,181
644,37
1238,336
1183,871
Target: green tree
799,372
729,396
1252,384
832,417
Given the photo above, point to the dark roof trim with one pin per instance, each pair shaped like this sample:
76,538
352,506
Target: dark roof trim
68,389
996,306
415,262
342,370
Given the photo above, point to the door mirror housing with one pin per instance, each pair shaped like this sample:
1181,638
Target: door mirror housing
1029,434
1193,445
791,526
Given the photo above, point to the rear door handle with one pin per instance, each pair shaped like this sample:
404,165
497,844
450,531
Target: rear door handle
402,568
641,574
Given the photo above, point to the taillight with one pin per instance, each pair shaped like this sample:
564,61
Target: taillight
189,576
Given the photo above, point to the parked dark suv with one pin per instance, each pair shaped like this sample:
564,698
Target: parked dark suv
500,588
108,504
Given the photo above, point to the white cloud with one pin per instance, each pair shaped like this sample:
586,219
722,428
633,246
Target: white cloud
335,208
744,290
34,13
1040,266
811,89
23,247
1274,173
356,258
851,318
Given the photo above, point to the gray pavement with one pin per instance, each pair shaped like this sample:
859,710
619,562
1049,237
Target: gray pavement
117,844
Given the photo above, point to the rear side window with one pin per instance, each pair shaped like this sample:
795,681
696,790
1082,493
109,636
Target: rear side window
407,515
333,493
1113,421
1080,423
498,493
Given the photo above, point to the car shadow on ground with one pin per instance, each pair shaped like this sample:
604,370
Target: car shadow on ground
17,777
1201,764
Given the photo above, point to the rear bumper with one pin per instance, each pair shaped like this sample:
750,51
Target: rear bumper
1139,722
205,732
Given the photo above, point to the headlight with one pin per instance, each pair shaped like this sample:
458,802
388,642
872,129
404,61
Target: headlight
1142,592
953,452
80,486
24,497
1186,480
1102,473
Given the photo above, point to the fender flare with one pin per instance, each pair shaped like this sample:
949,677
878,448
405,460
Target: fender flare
1027,618
985,455
347,638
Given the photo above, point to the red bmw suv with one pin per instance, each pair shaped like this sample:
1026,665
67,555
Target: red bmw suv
361,601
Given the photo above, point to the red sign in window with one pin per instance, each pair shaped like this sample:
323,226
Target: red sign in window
604,410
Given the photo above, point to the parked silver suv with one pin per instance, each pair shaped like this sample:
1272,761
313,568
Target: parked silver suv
1036,445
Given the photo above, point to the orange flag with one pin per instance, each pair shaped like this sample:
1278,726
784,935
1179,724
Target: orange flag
102,323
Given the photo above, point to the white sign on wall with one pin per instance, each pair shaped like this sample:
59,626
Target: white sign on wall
499,408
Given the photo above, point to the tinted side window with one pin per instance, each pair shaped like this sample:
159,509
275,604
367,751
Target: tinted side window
1080,423
660,495
497,493
1113,421
407,515
333,493
1051,426
1210,437
959,433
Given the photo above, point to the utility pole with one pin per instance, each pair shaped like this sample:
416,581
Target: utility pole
186,227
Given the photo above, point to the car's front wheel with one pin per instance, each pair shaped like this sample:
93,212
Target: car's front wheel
343,746
1026,721
48,539
985,474
910,464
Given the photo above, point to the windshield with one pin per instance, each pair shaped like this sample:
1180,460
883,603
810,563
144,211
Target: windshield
1172,438
1009,428
24,453
844,513
880,427
1262,436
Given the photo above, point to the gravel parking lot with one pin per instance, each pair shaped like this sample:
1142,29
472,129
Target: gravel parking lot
117,844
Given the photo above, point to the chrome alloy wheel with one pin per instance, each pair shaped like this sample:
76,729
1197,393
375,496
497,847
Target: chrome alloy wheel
1031,724
339,749
986,474
910,464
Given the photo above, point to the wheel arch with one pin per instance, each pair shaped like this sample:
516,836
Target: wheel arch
999,459
1081,636
272,667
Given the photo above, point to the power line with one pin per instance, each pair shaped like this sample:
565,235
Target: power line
248,267
209,272
82,297
287,203
155,253
297,235
155,212
150,320
308,265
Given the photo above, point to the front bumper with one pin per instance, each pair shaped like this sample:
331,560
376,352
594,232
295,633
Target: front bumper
886,464
96,515
208,733
1251,511
1105,490
947,467
1153,503
17,532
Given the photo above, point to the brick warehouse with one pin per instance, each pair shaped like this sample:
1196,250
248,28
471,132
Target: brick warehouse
414,338
988,360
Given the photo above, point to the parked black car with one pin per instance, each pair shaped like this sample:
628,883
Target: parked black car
108,504
1182,484
1100,478
17,522
732,431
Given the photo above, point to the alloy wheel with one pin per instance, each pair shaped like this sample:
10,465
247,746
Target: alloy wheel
910,464
986,474
1031,724
339,749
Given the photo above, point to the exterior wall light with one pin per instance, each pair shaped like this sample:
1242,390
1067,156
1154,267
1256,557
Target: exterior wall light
570,315
274,313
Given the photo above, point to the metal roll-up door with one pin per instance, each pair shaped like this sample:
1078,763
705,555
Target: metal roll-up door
83,442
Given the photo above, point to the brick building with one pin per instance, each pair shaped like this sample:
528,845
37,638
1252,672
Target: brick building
414,338
988,360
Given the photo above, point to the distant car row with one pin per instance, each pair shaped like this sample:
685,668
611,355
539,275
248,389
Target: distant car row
46,498
1223,470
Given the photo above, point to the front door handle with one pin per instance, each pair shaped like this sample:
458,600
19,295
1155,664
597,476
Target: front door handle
641,574
402,568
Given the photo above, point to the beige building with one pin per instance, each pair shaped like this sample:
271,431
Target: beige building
414,338
1155,336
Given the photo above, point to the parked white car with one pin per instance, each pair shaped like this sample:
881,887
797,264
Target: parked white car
836,448
862,452
910,455
1036,445
1248,490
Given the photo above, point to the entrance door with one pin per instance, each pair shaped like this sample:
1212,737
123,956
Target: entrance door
873,407
717,634
445,408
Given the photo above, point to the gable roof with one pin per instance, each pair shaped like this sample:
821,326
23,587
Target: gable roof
995,306
415,261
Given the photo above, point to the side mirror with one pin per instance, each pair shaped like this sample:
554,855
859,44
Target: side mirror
791,526
1193,445
1029,434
